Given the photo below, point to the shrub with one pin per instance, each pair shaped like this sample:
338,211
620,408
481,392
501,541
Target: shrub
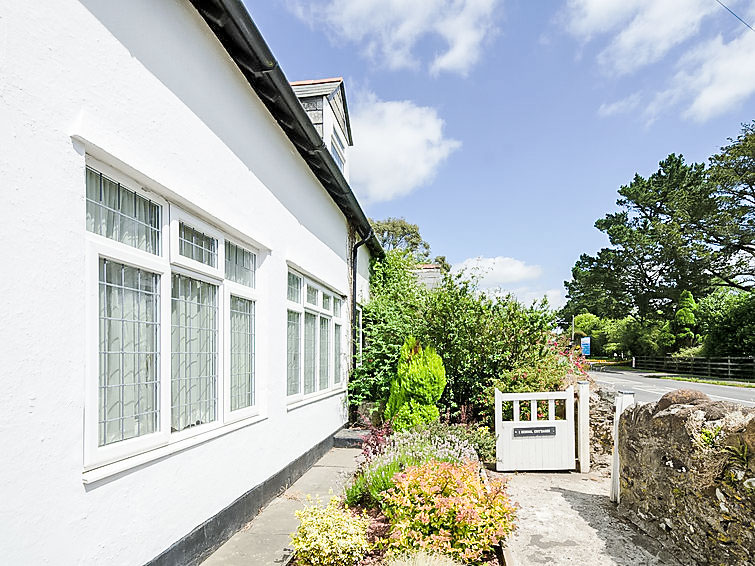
422,559
446,508
418,385
403,449
330,535
479,437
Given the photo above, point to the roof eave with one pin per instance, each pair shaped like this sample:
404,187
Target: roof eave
234,28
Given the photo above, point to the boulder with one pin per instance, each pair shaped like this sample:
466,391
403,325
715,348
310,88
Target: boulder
681,397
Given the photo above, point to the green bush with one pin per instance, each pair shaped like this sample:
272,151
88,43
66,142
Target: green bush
447,509
404,449
330,535
477,334
418,385
479,437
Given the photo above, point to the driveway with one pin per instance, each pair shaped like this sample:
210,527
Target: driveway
647,388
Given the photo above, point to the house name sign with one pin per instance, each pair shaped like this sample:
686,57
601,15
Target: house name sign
534,431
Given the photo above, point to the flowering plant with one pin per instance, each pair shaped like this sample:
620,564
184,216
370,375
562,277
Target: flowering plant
446,508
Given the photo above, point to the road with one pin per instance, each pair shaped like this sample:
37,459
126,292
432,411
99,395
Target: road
648,389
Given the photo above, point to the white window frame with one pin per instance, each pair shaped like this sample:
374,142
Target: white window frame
103,461
251,294
178,216
302,307
97,247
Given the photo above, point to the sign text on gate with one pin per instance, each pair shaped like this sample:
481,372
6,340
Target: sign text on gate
532,431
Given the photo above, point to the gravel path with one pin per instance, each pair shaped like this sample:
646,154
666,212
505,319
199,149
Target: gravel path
568,518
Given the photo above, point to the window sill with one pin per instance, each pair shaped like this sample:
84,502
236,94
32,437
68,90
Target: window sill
319,397
102,472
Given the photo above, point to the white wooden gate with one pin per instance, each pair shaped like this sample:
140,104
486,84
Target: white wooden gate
543,439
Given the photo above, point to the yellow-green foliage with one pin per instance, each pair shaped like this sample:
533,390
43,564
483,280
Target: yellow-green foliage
330,535
417,387
422,559
447,509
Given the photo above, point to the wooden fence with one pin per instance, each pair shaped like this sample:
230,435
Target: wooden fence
727,368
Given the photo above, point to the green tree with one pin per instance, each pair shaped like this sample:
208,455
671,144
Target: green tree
394,312
684,320
727,320
398,234
652,255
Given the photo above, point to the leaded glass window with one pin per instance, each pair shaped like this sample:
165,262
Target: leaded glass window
242,353
197,246
194,352
324,352
129,352
293,367
240,264
310,351
120,214
294,288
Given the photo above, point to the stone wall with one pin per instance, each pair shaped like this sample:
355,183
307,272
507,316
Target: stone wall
688,476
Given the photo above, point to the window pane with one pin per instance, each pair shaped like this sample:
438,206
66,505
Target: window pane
129,352
310,351
324,352
312,293
292,347
120,214
337,353
242,353
194,356
326,302
197,246
336,307
240,264
294,288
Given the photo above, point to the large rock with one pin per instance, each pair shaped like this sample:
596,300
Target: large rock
685,476
681,397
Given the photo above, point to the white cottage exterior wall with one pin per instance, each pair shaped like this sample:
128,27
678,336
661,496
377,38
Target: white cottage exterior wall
150,91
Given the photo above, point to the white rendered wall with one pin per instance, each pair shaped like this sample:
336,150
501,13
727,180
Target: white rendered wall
149,85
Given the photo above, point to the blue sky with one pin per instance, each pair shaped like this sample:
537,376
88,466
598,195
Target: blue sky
504,128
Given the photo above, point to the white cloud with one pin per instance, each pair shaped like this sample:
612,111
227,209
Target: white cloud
712,77
620,106
398,147
529,295
498,271
388,31
646,30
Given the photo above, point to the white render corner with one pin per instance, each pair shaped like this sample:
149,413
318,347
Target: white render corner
158,210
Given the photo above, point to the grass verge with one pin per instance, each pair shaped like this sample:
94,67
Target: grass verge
708,381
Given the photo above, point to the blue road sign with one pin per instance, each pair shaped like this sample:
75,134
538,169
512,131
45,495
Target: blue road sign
585,342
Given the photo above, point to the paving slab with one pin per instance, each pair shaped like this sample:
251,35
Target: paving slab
265,539
568,519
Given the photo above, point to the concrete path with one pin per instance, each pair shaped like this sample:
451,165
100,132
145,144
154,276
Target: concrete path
265,540
568,519
648,388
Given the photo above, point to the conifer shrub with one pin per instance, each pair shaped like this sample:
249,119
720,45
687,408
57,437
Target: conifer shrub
330,535
417,386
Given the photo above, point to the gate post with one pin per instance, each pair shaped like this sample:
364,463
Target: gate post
583,426
498,429
624,400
